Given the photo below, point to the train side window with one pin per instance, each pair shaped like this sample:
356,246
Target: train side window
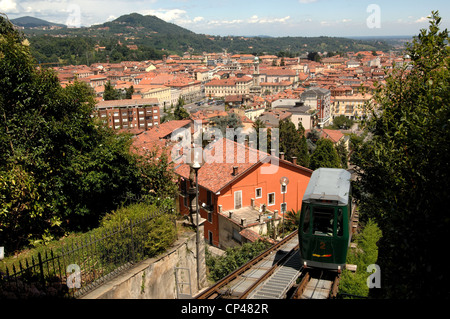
323,221
306,220
340,223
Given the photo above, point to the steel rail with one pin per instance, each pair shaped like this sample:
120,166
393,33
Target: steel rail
268,273
213,292
311,283
281,281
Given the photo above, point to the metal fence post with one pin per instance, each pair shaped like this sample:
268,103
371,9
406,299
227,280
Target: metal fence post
41,268
132,242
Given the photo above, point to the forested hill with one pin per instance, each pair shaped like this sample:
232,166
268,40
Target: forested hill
31,22
135,23
154,37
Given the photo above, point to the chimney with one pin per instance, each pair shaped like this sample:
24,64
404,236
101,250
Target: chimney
282,155
230,214
235,170
272,151
243,221
252,201
294,160
220,209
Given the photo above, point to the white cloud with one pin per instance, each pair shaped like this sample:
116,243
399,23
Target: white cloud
422,19
9,6
307,1
224,22
111,18
198,19
168,15
255,19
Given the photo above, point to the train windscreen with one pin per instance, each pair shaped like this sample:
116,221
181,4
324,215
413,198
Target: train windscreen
323,219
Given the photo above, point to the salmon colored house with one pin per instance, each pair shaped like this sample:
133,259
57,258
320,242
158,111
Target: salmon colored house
248,179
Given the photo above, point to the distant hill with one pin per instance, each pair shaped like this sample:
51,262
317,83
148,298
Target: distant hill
32,22
155,37
137,22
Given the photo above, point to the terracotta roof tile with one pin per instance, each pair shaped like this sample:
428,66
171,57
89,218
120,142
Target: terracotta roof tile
214,176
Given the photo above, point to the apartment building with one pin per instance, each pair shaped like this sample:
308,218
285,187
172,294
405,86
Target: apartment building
318,99
351,106
130,114
160,92
230,86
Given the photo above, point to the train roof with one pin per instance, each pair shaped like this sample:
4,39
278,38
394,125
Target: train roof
328,184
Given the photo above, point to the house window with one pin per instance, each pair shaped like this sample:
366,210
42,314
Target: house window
237,199
210,237
258,192
283,189
210,216
283,208
183,184
270,199
209,198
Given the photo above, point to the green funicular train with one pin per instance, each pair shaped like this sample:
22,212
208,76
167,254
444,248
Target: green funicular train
325,227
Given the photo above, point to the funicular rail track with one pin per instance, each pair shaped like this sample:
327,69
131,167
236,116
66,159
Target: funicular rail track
241,282
274,275
317,284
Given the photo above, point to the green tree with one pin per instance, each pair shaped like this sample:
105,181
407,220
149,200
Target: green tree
180,112
325,155
342,122
313,135
314,56
259,125
129,92
158,179
292,220
404,166
110,93
342,152
61,169
293,142
230,121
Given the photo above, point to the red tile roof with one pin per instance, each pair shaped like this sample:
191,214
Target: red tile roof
214,176
217,175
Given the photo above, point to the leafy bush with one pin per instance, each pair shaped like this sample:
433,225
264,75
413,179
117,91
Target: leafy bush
161,235
135,232
233,258
365,254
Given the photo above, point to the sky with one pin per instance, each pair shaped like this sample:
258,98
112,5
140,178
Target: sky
248,17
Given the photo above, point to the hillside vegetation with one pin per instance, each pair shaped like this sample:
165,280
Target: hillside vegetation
155,37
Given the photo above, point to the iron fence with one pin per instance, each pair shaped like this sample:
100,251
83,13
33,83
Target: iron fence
75,268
